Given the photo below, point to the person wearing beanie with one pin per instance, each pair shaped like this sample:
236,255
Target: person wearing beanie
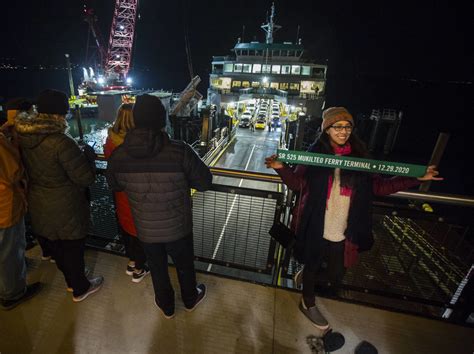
157,173
335,114
149,113
333,219
13,287
59,172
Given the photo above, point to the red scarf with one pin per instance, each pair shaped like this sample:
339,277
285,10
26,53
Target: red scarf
340,151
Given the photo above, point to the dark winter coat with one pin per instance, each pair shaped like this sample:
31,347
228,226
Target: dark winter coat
157,174
58,173
312,183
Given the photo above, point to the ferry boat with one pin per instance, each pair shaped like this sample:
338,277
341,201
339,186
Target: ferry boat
270,70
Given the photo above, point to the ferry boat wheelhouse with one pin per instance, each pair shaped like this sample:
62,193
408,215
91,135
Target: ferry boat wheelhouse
278,71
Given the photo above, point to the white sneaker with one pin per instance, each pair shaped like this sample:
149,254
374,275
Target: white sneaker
96,285
138,276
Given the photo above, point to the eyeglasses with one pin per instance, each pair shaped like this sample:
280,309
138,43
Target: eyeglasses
339,128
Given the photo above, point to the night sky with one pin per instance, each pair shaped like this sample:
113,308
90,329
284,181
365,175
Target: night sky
423,40
416,56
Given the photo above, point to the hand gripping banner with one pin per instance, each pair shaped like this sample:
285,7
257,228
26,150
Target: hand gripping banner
351,163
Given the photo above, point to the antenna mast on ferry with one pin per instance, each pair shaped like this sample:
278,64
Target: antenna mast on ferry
271,27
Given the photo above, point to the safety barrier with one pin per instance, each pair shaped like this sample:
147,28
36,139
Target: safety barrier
421,262
418,262
231,224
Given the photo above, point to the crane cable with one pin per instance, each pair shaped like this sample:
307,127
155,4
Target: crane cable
187,43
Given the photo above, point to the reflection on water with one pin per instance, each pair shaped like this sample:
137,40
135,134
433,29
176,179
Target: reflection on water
94,130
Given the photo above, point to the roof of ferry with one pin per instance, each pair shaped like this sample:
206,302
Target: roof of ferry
271,46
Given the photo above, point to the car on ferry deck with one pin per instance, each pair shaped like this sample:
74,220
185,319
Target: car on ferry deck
260,124
244,122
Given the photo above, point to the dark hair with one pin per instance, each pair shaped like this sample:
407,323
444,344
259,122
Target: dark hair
358,149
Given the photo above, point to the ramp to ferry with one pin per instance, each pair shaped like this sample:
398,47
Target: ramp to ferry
232,221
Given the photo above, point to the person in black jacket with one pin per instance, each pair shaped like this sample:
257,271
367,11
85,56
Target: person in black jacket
59,171
157,174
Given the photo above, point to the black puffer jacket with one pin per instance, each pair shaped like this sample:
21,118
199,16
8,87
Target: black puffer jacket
58,173
157,174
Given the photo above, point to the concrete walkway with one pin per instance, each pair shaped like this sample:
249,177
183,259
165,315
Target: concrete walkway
236,317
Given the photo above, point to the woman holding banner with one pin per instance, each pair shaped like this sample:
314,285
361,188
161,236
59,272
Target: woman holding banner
333,221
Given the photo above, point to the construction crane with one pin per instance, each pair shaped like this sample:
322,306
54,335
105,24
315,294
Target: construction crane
119,53
115,61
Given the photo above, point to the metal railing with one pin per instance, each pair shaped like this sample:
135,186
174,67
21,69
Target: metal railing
418,262
231,224
231,227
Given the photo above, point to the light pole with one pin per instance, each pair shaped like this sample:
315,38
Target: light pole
71,83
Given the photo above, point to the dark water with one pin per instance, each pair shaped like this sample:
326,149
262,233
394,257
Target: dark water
429,108
94,130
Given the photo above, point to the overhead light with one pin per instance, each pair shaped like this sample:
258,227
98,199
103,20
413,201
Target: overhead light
121,27
129,80
265,79
101,80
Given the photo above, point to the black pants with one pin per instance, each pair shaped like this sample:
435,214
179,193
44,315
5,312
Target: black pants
134,250
45,245
330,271
182,254
69,257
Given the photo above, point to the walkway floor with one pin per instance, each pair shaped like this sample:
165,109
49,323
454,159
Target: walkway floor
236,317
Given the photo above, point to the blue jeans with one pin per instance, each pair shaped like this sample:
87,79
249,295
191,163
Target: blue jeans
12,261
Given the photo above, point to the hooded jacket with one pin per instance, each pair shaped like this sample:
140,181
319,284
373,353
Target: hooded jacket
58,173
157,174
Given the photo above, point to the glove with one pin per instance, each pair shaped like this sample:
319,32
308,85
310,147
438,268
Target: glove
89,153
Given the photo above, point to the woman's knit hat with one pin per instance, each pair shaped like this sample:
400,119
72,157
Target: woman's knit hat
335,114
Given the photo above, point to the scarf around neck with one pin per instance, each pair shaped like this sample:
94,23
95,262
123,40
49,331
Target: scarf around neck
340,151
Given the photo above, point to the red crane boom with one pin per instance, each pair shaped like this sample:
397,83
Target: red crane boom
119,53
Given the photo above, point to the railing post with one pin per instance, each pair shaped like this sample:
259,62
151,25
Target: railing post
436,156
79,123
300,132
206,128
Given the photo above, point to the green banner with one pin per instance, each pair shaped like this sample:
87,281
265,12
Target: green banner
351,163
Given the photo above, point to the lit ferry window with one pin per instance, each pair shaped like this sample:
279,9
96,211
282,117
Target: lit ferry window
247,68
276,69
295,69
306,70
237,68
285,69
257,68
266,69
294,86
228,67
